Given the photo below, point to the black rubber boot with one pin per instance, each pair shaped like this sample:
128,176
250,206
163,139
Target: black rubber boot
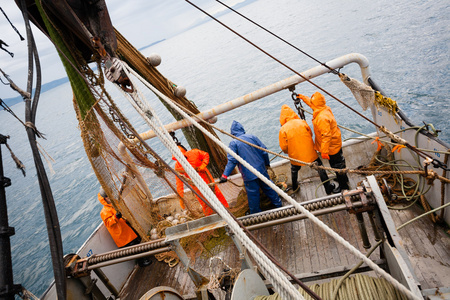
329,188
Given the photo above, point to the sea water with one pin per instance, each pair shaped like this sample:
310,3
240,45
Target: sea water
405,41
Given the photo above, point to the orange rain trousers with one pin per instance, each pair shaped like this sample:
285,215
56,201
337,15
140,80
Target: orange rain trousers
199,160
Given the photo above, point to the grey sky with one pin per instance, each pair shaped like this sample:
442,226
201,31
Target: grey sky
140,21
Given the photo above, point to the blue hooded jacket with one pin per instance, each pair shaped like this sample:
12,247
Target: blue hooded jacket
257,158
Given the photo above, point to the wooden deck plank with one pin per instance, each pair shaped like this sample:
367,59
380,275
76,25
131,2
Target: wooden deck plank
414,246
408,245
305,244
297,247
322,246
423,253
431,232
339,249
290,241
333,248
314,248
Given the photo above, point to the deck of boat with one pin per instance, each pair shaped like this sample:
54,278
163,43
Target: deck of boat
308,252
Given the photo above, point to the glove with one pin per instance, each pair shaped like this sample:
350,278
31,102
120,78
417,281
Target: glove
325,156
223,179
118,215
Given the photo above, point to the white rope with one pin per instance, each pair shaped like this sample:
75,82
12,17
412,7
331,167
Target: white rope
313,218
279,280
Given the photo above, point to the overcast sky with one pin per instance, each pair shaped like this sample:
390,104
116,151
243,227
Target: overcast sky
140,21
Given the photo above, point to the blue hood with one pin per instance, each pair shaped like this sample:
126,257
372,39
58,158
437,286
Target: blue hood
237,129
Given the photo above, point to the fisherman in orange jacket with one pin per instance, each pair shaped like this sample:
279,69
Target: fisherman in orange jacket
122,234
199,160
327,136
295,139
120,231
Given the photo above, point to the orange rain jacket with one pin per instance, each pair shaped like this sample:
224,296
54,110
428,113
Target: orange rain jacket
121,233
199,160
295,137
327,133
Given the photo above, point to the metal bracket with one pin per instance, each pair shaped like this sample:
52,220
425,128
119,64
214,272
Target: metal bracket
246,263
80,268
5,181
366,203
7,231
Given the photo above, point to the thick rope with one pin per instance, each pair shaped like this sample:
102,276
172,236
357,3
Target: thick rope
358,287
430,174
233,226
286,289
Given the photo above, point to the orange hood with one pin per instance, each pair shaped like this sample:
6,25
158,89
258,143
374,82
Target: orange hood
317,101
103,201
287,114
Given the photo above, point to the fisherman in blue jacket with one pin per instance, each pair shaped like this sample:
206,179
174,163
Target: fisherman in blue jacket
258,159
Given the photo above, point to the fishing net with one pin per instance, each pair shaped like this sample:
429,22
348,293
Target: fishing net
210,243
138,183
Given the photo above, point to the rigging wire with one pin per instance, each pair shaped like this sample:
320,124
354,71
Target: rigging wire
280,38
306,212
314,219
21,37
269,255
436,163
282,63
48,202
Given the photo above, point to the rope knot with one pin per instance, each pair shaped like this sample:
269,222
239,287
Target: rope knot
342,171
36,132
392,136
314,165
431,176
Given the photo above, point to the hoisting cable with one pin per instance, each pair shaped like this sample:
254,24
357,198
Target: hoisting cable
299,207
436,163
51,216
280,38
264,258
262,248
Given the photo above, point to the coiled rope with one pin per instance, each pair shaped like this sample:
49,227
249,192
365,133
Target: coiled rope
276,277
358,287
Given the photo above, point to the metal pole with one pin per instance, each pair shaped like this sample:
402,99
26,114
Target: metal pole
7,288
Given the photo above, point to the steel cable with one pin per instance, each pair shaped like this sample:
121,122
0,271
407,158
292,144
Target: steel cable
318,222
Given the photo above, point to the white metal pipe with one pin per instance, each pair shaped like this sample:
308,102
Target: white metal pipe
339,62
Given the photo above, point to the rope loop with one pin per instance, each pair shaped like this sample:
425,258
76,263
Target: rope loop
33,127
